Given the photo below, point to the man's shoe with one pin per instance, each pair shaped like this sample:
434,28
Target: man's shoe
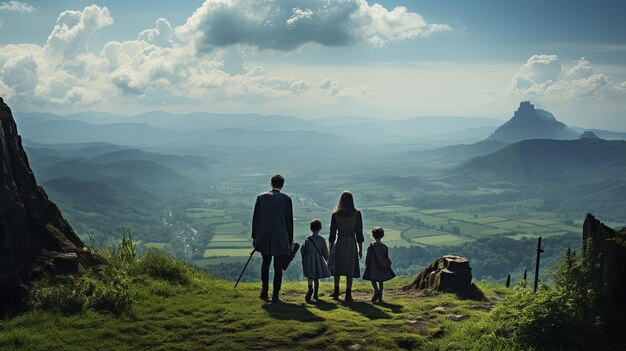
308,295
263,295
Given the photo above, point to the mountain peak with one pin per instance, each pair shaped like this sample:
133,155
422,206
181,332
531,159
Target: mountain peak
589,135
525,108
531,123
528,110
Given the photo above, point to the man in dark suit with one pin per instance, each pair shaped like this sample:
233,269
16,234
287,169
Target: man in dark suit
272,234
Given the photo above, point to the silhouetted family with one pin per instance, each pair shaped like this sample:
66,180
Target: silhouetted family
272,236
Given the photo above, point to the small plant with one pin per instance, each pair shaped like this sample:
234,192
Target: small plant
156,263
101,289
105,287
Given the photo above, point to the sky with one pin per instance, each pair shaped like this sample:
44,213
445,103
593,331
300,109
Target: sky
318,58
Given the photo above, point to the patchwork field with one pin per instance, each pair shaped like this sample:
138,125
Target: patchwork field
404,225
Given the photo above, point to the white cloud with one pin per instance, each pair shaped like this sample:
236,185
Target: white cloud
160,35
279,25
335,88
5,91
543,76
73,30
541,69
65,71
298,15
581,70
16,6
156,66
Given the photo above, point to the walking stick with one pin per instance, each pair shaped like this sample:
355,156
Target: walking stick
244,267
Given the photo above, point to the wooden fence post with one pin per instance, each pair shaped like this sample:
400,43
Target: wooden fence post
508,281
539,251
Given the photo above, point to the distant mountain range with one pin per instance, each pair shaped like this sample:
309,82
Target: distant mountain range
160,128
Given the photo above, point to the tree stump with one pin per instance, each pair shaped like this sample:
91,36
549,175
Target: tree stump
450,274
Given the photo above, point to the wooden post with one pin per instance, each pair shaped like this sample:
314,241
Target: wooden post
539,251
508,281
525,274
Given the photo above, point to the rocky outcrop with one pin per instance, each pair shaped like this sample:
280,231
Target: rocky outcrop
450,274
34,237
609,246
531,123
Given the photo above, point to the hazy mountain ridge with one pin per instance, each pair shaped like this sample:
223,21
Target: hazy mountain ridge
163,128
548,159
462,152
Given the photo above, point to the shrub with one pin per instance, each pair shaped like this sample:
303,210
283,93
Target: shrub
105,287
156,263
567,315
101,289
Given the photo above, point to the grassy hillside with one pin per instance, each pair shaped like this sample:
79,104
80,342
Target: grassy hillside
155,302
210,314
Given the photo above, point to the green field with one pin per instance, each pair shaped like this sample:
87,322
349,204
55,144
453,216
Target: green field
227,252
156,245
444,239
404,224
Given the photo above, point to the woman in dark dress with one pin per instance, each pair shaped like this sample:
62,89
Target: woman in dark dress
346,243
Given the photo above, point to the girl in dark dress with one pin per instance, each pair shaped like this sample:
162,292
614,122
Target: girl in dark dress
314,256
346,243
377,264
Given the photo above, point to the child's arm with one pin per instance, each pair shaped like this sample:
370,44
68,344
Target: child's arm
325,251
303,249
368,256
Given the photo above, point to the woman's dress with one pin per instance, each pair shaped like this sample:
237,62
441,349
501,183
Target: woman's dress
345,232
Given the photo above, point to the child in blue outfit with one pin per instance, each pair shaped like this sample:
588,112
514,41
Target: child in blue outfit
377,264
314,259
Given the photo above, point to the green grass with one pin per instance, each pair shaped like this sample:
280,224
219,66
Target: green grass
509,225
487,220
227,237
210,314
156,245
217,260
442,239
228,252
435,211
229,244
419,232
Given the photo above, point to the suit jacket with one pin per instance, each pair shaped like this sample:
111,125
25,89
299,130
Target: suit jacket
272,223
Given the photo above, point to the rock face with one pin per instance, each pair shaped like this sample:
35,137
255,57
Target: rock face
530,123
449,273
34,236
609,246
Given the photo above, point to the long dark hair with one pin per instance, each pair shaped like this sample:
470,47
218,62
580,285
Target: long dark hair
345,206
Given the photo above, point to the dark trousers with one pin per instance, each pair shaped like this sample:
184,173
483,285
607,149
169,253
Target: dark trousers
278,273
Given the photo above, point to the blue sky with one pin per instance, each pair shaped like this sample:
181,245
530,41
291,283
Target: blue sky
318,58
